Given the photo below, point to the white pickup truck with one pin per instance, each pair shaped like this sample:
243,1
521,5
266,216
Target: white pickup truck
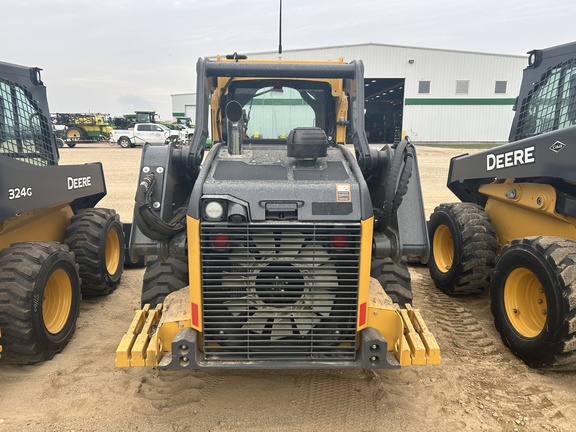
141,133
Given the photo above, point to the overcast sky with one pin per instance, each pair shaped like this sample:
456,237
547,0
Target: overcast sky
116,56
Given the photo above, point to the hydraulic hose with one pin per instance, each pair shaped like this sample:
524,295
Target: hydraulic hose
146,218
398,179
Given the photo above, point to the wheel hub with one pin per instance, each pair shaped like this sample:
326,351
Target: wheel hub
112,251
57,301
525,302
443,245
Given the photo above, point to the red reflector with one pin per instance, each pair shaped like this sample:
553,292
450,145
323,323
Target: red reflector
339,242
195,315
221,241
362,315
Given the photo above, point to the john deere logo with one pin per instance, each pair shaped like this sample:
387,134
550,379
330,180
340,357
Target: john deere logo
557,146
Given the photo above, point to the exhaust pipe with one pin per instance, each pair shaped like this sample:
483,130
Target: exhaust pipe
234,127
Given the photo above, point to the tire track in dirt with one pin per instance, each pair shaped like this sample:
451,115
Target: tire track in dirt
337,399
163,392
461,326
499,387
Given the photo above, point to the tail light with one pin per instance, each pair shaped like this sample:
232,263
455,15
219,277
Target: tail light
340,242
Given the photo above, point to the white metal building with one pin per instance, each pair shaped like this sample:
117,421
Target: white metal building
432,95
184,105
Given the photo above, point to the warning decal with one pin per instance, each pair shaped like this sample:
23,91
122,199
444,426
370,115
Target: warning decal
343,193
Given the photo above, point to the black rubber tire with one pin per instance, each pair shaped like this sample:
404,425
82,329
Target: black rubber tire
71,144
125,142
464,262
163,278
394,278
533,275
97,239
39,301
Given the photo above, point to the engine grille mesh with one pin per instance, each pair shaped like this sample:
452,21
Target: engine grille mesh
278,291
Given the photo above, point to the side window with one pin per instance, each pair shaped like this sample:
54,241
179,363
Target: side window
551,105
500,87
462,86
424,87
144,128
568,106
24,132
157,128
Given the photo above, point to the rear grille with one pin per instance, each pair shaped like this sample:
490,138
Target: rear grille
279,291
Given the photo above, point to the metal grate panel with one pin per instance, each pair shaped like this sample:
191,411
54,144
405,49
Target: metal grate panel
24,130
551,105
279,291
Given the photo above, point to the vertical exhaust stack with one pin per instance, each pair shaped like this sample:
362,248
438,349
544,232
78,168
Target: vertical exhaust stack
234,127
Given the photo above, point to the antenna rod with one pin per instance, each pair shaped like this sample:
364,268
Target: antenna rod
280,33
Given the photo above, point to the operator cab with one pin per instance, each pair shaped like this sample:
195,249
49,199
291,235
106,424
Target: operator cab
271,109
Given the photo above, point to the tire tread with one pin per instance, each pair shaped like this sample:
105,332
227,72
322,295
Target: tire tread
478,244
20,266
83,236
560,253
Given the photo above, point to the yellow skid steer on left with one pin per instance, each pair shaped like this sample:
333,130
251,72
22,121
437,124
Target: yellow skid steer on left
55,246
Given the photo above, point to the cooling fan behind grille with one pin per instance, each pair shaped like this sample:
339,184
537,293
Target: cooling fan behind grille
279,286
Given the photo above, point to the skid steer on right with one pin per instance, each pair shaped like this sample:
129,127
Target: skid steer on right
515,229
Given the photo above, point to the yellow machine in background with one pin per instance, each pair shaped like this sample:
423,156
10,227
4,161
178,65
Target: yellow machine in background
78,127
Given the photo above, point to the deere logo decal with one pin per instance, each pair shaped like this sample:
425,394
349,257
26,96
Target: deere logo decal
557,146
79,182
510,159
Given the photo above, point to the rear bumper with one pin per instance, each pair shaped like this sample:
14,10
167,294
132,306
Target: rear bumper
164,338
373,354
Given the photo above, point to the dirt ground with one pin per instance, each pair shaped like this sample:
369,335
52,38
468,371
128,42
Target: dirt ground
480,385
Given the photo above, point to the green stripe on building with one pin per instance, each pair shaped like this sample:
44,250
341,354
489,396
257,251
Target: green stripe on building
458,101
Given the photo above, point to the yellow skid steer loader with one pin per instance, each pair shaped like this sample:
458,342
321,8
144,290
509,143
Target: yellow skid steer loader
280,249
